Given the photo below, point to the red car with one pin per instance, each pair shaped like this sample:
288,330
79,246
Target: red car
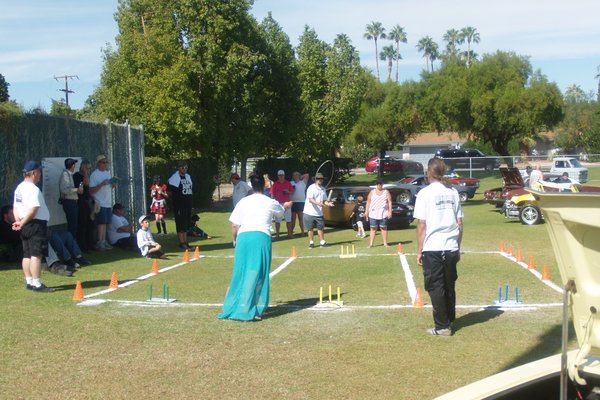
392,164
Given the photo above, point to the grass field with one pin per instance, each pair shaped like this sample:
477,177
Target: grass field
373,347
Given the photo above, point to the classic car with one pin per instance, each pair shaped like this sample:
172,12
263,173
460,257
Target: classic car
515,181
392,164
573,227
524,206
345,198
413,184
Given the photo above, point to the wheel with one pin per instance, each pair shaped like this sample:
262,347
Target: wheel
530,215
405,198
463,196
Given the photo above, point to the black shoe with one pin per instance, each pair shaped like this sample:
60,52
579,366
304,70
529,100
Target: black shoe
184,246
82,261
60,269
28,286
71,265
311,245
42,289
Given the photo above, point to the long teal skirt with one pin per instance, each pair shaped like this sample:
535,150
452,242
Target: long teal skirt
248,294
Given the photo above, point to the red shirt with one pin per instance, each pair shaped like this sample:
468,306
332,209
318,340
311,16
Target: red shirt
281,191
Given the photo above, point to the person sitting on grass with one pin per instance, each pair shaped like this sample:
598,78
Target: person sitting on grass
145,240
195,230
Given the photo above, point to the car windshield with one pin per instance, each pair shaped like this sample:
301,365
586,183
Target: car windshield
575,163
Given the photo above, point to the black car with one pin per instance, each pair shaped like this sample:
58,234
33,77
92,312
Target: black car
467,159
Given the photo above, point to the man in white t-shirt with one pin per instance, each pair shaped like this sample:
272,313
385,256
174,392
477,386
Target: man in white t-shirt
240,188
299,183
31,219
101,184
119,230
316,199
439,235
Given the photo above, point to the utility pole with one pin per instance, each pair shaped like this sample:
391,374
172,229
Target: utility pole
66,89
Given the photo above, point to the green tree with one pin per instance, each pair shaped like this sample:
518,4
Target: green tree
453,38
388,53
3,89
384,124
333,84
61,109
469,35
429,49
496,101
375,31
397,35
580,119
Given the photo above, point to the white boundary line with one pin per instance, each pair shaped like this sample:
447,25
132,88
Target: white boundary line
535,272
140,278
408,277
281,267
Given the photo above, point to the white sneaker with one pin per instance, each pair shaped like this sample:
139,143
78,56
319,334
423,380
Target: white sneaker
106,245
99,246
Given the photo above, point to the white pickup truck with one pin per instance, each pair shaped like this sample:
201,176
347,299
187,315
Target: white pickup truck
572,166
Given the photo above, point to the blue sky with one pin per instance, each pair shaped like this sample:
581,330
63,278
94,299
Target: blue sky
41,39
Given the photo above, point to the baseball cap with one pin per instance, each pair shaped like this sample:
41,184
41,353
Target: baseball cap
280,172
100,158
69,162
143,218
181,164
31,165
319,176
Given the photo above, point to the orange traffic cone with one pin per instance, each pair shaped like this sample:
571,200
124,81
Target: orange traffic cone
294,254
531,263
186,256
78,295
399,249
418,299
510,250
197,253
502,249
545,274
519,256
154,269
114,283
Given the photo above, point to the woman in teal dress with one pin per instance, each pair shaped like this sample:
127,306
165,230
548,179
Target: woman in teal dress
248,295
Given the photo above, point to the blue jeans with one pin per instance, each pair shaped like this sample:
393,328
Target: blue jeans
71,210
65,245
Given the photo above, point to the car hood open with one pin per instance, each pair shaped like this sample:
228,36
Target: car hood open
512,178
573,222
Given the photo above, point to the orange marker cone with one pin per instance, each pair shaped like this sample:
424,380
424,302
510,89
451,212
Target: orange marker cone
399,249
519,256
545,274
197,253
186,256
78,295
418,299
154,269
531,263
294,254
114,283
502,249
510,250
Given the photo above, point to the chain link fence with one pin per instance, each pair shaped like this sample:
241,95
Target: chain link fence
36,137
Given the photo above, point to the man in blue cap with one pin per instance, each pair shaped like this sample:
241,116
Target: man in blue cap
31,218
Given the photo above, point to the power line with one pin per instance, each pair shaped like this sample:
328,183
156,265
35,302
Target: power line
66,89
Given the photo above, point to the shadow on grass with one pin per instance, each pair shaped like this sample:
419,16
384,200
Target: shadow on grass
290,307
476,317
86,285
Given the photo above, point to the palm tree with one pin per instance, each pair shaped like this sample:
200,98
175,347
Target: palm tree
470,35
375,30
388,53
398,35
598,77
429,49
452,38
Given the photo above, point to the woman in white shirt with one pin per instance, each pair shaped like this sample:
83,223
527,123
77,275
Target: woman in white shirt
248,294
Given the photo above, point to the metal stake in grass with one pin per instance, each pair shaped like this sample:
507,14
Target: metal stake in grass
321,295
150,292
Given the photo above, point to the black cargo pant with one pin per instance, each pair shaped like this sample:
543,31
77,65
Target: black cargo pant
439,271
